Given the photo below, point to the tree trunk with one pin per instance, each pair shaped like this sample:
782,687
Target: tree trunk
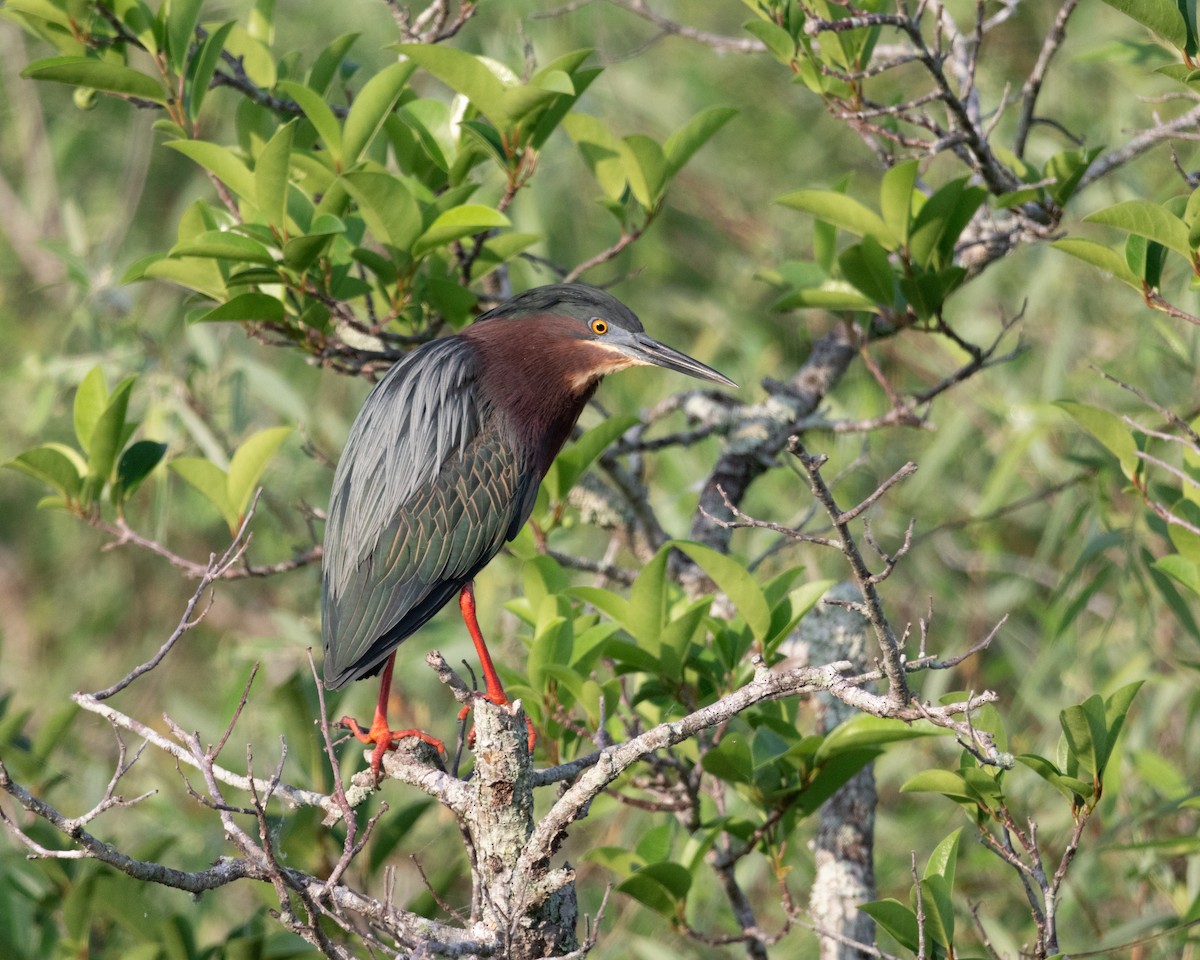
844,847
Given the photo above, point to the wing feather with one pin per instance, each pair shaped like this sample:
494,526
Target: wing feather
429,488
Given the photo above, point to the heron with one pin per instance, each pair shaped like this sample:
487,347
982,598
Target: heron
441,468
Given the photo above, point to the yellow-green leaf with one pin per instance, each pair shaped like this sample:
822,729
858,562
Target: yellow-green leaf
248,463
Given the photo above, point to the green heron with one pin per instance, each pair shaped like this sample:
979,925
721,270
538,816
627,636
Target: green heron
442,467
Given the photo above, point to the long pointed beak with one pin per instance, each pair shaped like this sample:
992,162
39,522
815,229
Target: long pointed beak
647,350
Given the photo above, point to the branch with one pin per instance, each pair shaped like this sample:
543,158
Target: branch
1144,141
767,685
1037,76
225,871
893,665
212,573
762,434
718,42
123,534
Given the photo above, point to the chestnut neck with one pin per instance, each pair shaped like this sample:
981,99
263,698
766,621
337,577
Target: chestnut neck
538,378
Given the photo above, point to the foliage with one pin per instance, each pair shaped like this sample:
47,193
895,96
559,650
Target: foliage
346,200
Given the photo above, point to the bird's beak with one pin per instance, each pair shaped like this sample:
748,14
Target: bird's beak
647,350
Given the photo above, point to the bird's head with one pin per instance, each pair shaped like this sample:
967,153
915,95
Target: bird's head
585,332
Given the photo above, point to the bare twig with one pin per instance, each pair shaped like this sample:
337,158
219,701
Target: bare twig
1037,76
889,646
216,567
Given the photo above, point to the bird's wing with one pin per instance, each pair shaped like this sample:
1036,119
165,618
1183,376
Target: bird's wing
426,493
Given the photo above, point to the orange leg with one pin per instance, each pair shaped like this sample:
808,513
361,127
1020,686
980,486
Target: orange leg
495,689
380,733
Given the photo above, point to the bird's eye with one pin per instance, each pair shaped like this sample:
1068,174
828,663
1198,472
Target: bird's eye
599,327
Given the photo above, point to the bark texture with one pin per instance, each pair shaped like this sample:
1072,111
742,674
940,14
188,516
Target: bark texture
845,841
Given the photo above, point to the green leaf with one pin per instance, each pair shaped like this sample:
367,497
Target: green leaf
422,118
1086,734
1159,16
320,115
645,169
941,220
1073,789
371,107
463,73
674,877
47,10
485,136
866,265
831,295
571,464
135,465
1116,709
245,307
389,209
1146,259
91,397
299,252
942,860
647,610
522,104
736,582
220,162
109,433
620,860
841,210
1109,429
1067,169
607,602
211,481
255,55
647,886
201,275
501,249
103,75
898,920
551,117
945,782
271,176
551,646
182,17
459,222
326,65
655,844
730,760
601,152
1186,571
1099,256
51,464
936,898
801,601
203,66
684,142
589,645
926,290
248,462
1149,220
863,730
779,42
896,196
224,245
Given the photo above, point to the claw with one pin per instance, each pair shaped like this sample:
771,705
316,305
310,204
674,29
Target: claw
385,739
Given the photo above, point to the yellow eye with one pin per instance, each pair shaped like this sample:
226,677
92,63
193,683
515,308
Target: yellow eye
599,327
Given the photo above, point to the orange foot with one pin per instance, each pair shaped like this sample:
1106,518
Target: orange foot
385,739
500,701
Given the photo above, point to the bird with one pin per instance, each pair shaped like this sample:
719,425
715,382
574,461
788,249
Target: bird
441,468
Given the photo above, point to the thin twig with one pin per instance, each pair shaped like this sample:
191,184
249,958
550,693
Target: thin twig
216,567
